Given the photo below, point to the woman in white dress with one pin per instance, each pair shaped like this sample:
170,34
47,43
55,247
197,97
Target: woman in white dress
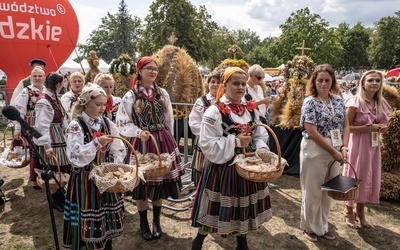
255,92
77,82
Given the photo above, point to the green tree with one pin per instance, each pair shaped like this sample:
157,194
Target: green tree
384,52
117,34
219,43
315,31
246,40
259,55
179,17
356,42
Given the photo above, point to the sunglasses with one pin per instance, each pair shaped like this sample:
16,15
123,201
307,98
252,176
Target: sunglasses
258,77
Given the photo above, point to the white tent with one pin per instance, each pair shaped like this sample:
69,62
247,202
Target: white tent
103,66
69,66
282,66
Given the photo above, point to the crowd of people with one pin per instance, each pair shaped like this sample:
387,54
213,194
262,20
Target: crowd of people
78,121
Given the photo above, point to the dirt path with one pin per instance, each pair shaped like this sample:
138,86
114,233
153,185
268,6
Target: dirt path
25,223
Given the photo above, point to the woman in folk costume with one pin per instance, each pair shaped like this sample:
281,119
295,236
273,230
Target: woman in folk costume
91,219
51,125
25,103
145,110
77,82
223,134
195,117
106,81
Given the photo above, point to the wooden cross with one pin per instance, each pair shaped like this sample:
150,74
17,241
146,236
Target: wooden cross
303,48
172,39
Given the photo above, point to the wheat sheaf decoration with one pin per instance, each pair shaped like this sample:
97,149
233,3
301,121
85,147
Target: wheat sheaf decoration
179,74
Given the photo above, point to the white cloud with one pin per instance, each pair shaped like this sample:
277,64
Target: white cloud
261,16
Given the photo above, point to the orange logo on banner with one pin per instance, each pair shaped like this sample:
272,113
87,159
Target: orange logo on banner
35,29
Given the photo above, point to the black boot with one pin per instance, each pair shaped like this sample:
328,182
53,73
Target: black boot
108,245
144,226
198,242
157,232
61,197
241,243
56,204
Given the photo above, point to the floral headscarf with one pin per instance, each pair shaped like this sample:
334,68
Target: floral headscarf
89,92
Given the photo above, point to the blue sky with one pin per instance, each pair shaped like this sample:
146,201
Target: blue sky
261,16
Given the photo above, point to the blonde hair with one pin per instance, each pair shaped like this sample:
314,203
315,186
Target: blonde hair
102,77
77,74
256,70
378,97
38,69
89,92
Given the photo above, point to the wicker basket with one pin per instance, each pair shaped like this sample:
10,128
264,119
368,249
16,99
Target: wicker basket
101,172
351,195
10,159
262,175
61,177
154,165
5,142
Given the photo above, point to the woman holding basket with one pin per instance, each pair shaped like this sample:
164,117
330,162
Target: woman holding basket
51,145
325,139
146,111
223,134
91,218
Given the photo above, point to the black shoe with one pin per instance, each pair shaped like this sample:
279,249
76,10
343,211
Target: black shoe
56,203
58,206
241,243
60,197
157,232
197,243
146,233
144,226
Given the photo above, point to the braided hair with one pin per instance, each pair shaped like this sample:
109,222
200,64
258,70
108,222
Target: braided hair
51,82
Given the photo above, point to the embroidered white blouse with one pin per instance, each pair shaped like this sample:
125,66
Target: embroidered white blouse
21,103
124,115
216,147
45,111
81,154
197,113
66,100
259,95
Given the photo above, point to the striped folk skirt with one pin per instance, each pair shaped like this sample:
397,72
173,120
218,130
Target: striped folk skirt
90,218
227,204
59,149
198,162
170,184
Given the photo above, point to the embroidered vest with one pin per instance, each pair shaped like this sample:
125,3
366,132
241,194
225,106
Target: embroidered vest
228,127
88,137
32,98
152,116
